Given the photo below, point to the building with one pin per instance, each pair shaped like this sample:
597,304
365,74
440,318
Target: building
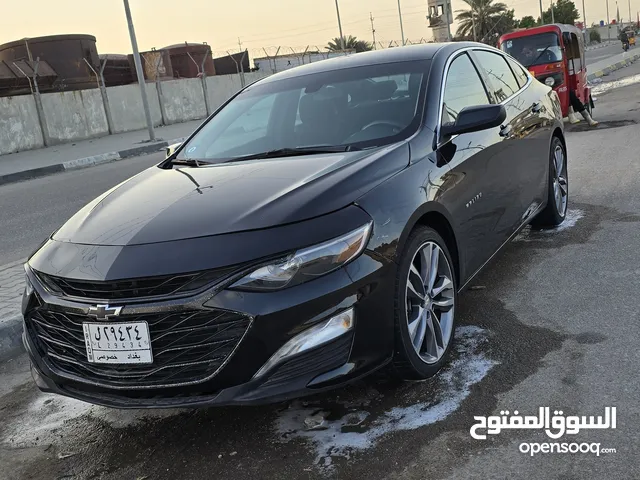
438,20
280,63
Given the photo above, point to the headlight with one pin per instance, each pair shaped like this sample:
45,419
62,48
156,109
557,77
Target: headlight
550,82
307,263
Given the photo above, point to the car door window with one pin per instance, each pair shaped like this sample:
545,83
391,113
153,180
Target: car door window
521,76
463,88
503,81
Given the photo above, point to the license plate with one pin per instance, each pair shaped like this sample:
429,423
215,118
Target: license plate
117,343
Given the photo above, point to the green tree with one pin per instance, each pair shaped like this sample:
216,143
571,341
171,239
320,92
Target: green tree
564,11
490,17
527,22
350,43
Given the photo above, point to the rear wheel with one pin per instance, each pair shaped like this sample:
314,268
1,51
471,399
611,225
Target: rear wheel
424,306
558,191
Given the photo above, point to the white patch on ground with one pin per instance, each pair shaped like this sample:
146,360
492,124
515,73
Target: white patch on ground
607,86
424,406
48,417
570,221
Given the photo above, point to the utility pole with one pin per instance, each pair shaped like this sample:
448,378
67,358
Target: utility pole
373,31
553,17
340,27
630,19
239,45
608,23
139,72
446,19
584,23
541,14
401,28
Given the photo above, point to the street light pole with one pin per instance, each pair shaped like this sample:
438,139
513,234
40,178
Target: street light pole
553,17
401,28
340,27
139,72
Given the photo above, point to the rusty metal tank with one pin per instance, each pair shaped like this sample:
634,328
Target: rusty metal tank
187,59
65,54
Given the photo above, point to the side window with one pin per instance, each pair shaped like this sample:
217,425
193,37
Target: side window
463,88
500,75
521,76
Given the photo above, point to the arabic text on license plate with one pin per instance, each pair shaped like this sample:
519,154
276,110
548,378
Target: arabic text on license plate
117,342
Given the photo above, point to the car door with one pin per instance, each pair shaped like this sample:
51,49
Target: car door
513,183
537,123
475,201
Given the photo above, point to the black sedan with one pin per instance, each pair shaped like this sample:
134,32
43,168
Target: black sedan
318,227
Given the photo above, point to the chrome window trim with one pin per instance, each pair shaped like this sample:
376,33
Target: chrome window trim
446,73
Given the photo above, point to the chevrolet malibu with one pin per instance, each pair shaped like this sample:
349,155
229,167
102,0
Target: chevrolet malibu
318,227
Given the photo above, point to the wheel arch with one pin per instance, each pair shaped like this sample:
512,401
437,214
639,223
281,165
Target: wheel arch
436,217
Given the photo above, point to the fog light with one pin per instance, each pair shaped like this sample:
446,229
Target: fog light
312,337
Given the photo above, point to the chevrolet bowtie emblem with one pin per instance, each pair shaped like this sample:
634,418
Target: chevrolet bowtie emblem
104,312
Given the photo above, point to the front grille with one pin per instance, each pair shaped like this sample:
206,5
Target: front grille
188,347
166,285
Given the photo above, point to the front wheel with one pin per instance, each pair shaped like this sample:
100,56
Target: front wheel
558,190
424,306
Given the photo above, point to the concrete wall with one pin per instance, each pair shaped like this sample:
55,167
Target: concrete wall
126,107
183,100
19,125
74,115
78,115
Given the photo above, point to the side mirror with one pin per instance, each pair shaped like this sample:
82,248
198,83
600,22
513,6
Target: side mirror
475,119
171,149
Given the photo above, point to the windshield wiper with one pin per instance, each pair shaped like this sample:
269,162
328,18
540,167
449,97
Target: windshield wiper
295,151
538,57
189,162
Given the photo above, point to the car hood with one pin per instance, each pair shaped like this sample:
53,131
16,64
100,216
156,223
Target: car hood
160,205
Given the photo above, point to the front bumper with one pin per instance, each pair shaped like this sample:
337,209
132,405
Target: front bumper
366,285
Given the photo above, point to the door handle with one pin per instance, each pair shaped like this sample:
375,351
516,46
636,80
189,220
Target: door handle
506,131
536,107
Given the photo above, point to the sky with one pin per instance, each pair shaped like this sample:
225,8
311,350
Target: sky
258,24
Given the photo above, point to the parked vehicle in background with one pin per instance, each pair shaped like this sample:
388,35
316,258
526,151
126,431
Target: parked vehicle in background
555,56
319,226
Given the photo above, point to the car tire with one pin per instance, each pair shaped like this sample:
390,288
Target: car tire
432,318
558,184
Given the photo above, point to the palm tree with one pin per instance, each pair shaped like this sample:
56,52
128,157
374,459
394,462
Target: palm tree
350,43
486,15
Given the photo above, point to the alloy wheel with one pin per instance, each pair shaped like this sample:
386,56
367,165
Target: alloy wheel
430,298
560,184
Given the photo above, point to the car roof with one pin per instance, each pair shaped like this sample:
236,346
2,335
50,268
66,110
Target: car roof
374,57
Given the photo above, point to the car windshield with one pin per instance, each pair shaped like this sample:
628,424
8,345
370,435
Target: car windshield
357,107
534,49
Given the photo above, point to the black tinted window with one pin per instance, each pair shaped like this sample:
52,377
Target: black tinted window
522,77
502,80
463,88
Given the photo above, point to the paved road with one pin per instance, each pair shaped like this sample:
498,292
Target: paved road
598,54
556,325
34,209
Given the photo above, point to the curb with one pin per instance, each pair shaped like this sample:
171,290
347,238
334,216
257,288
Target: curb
612,68
600,45
87,162
11,338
